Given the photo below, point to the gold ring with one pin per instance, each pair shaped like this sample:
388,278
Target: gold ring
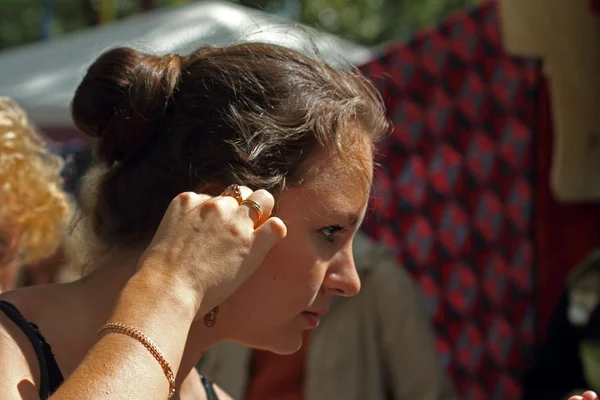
234,191
255,205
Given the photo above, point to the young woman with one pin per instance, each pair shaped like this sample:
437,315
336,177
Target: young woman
174,277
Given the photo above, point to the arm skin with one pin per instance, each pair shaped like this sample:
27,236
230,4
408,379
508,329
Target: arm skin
117,366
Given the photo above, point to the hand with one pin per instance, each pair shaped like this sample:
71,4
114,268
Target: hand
207,247
589,395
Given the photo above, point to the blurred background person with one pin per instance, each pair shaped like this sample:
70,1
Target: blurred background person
33,207
568,361
376,345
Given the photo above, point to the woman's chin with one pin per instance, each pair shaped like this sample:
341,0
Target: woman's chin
279,343
289,348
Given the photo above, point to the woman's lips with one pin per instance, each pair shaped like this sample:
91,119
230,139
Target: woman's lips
312,319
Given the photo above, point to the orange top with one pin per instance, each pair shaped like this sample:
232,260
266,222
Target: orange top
275,376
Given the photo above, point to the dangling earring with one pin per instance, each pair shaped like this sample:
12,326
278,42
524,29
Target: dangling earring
210,319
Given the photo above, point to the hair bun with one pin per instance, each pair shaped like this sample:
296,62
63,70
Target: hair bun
122,100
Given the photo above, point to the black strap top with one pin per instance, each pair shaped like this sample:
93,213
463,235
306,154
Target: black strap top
50,376
208,386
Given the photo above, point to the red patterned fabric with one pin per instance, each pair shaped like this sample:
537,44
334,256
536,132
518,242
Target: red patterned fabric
454,195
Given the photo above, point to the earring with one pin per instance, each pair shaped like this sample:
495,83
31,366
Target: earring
210,319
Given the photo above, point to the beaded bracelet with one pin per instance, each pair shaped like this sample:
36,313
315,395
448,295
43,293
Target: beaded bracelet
117,327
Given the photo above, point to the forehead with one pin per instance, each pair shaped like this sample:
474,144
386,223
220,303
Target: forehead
352,161
342,193
336,181
345,206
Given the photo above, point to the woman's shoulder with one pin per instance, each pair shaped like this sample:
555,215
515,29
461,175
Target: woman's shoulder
18,361
18,309
29,301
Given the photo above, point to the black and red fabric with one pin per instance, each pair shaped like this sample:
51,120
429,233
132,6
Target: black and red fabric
453,197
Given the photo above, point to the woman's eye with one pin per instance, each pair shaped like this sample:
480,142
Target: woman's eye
329,232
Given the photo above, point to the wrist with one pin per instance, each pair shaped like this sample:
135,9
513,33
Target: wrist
164,291
152,305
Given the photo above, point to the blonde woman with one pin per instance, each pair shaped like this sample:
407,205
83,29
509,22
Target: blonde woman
33,206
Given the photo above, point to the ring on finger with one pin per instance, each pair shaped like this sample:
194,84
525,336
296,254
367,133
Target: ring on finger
234,191
254,205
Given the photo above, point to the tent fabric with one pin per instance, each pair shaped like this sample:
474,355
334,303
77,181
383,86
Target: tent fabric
43,77
454,196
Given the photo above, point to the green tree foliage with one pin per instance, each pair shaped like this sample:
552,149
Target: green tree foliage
364,21
369,22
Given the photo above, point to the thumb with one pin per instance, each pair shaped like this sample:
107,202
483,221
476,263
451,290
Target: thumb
267,235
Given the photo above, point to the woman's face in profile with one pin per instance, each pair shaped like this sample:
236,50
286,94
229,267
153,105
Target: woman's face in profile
294,285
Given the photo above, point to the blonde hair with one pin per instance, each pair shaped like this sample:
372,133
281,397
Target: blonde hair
33,206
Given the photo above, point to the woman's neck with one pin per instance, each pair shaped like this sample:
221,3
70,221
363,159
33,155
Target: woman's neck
97,293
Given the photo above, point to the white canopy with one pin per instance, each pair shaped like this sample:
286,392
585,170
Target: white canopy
43,77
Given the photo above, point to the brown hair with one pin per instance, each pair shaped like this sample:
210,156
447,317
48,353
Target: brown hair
34,208
249,113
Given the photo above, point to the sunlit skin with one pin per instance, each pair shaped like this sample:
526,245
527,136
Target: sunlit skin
294,285
310,266
285,297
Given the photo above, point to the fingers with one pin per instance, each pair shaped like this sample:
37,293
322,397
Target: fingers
229,197
255,206
267,235
197,199
246,192
187,201
258,206
225,201
221,233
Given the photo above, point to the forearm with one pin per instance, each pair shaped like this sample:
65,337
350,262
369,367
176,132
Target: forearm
120,367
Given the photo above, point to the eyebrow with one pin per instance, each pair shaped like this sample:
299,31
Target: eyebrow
351,217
